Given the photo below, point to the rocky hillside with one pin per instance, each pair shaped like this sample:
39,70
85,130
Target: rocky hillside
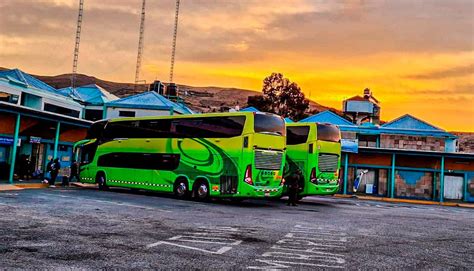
200,99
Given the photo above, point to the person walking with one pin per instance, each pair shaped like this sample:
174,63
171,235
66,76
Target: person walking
54,172
47,175
293,182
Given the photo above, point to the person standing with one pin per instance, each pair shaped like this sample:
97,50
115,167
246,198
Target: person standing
74,171
293,182
54,172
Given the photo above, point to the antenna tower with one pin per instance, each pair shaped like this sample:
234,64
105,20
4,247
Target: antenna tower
173,47
76,47
140,45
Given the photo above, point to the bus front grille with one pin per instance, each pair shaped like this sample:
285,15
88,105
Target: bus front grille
328,162
270,160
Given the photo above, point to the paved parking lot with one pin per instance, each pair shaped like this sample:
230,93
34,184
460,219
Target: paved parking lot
87,228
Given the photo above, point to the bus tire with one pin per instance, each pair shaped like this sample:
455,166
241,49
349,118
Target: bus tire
201,190
101,181
181,188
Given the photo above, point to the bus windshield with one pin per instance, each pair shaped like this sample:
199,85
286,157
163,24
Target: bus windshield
269,124
95,131
328,132
296,134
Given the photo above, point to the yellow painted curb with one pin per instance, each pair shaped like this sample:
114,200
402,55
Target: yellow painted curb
9,187
31,185
466,205
84,185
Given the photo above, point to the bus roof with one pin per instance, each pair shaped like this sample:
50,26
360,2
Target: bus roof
225,114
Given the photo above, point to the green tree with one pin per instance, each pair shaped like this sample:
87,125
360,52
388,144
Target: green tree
282,97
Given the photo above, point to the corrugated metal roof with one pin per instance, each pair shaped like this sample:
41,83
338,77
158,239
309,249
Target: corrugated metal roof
404,125
249,109
28,80
90,94
288,120
328,117
408,121
147,100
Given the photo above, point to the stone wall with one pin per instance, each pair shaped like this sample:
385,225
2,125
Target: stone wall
414,184
407,142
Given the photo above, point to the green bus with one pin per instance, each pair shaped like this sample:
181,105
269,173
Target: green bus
315,149
235,155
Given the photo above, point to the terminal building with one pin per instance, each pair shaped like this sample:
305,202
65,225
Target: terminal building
39,122
403,158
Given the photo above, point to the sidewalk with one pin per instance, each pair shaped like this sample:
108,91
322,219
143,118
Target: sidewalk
412,201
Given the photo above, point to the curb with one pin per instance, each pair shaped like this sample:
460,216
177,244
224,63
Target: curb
411,201
84,185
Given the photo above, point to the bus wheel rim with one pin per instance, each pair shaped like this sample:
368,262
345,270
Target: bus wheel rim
181,189
202,190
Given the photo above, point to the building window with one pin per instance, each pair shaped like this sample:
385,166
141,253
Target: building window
93,114
368,141
8,97
61,110
126,113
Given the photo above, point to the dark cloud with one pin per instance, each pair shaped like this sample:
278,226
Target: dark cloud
446,73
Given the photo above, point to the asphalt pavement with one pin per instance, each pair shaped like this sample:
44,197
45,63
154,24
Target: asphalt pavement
78,228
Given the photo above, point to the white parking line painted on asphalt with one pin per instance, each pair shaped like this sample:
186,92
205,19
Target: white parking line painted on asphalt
211,240
221,250
305,246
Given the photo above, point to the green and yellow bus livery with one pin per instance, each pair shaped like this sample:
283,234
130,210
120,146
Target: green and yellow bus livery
235,155
315,149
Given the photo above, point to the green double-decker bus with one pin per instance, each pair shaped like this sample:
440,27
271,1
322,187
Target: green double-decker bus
315,149
236,155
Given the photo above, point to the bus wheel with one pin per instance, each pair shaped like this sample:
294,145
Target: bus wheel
201,190
181,189
102,182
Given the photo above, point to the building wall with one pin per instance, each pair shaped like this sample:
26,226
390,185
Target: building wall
414,184
114,112
408,142
348,135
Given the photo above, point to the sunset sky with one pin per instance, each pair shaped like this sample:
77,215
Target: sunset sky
416,56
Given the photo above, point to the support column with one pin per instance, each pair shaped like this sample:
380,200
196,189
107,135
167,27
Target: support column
441,181
466,181
56,141
392,177
104,112
171,111
346,167
15,143
434,185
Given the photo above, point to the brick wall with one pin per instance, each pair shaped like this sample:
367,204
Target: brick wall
407,142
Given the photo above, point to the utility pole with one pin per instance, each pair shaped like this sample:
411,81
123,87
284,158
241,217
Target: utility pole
173,47
76,47
140,46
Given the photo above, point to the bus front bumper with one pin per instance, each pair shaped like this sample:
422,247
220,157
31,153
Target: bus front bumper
261,192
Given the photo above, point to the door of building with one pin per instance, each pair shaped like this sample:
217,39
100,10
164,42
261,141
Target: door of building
453,187
37,158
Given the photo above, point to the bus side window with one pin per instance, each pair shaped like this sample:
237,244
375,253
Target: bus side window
310,148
